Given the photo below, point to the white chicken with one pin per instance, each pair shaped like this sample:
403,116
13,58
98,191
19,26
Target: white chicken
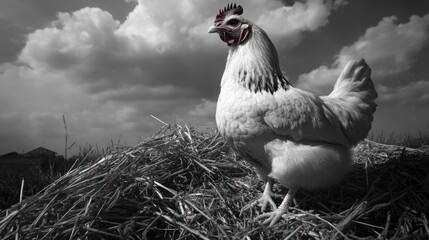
289,135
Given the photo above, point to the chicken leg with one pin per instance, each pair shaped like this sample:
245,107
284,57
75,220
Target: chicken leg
265,199
276,214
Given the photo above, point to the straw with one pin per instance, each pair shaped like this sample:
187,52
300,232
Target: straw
183,184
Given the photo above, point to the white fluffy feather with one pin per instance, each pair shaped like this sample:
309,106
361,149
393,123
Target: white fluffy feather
287,134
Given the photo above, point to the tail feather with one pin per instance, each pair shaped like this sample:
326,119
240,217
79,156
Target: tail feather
352,100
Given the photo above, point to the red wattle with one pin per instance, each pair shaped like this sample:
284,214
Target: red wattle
243,35
226,38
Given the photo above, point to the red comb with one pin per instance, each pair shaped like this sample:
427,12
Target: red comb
230,9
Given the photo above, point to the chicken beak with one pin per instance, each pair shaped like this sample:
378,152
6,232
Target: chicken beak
215,29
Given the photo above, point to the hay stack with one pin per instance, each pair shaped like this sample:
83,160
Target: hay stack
181,184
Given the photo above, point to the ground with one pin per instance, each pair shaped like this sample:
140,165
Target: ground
183,184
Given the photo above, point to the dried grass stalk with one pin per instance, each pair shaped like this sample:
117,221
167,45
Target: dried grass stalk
182,184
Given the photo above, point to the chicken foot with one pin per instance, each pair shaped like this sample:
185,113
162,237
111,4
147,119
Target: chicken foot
265,199
276,214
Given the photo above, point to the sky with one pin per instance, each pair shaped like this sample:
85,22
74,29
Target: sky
108,65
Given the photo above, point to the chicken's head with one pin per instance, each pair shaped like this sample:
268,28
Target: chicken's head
230,26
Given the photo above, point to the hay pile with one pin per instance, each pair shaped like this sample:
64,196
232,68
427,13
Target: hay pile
182,184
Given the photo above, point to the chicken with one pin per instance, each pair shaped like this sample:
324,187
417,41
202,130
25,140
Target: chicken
290,136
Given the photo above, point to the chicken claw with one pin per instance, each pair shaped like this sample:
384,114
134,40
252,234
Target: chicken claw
272,217
275,215
264,200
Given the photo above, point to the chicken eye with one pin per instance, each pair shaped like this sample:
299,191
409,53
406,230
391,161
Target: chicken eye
233,22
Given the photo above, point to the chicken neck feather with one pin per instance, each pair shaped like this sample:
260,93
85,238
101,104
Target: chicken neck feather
255,64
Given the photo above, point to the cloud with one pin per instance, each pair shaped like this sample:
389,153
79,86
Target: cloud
389,48
287,24
91,48
320,80
412,94
205,108
108,76
156,45
71,39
